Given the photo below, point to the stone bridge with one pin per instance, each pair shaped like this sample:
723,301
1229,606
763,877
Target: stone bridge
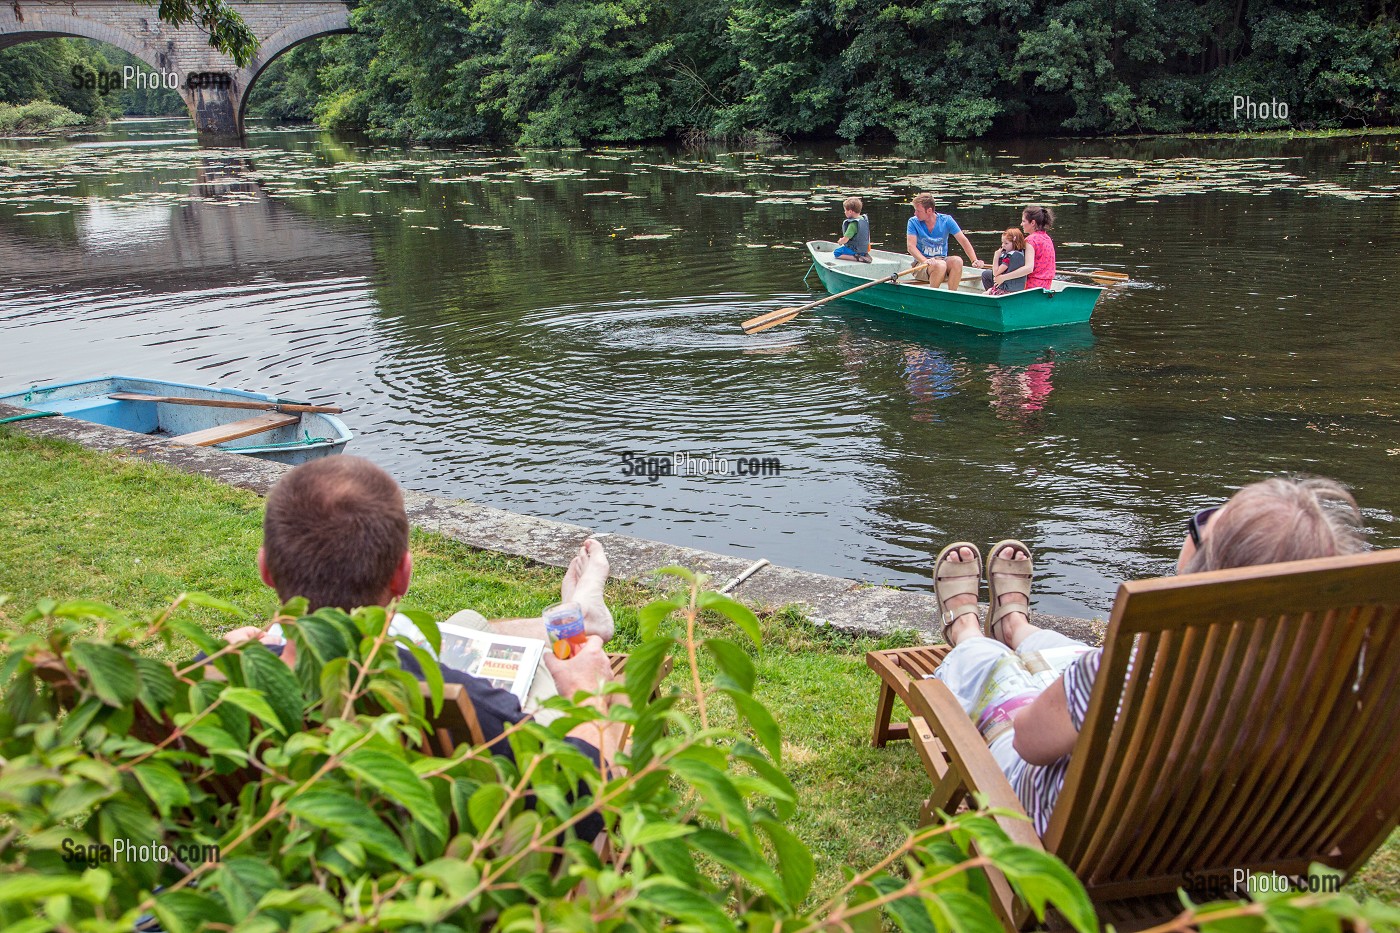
214,88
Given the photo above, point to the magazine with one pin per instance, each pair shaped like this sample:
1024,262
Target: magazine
505,661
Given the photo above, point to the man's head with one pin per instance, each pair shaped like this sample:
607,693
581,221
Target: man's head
923,207
335,532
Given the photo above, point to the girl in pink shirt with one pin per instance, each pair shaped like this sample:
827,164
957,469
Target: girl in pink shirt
1040,249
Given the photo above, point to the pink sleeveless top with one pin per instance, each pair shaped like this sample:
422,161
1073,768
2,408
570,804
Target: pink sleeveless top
1044,272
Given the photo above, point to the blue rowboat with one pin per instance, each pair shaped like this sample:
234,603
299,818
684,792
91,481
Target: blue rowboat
229,419
1061,303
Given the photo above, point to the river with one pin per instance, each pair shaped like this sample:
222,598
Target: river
506,326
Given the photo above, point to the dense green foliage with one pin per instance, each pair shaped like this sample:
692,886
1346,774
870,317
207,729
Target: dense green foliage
274,798
613,70
82,76
238,793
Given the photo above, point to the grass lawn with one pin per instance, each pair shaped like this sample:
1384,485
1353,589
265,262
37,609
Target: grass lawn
136,535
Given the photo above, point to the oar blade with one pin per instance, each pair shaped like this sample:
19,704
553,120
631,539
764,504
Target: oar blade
771,319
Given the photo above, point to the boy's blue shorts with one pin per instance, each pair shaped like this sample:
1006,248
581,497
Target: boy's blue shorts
844,251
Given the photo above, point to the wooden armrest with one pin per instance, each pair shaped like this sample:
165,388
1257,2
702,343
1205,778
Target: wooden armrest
934,703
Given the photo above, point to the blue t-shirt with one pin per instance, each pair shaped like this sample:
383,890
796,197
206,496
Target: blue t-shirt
933,242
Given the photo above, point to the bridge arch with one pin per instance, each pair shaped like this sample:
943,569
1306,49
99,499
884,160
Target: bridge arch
282,42
217,106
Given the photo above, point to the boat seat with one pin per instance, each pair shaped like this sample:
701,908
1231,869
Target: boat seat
232,431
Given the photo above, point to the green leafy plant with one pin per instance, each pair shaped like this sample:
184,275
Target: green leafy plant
306,799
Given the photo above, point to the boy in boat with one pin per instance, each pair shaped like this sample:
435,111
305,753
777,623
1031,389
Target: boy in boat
854,245
1008,259
927,240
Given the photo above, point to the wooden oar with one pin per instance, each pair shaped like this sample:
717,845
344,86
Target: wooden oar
1098,275
227,403
783,315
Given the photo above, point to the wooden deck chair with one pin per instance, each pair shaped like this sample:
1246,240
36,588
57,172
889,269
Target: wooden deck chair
457,723
1241,719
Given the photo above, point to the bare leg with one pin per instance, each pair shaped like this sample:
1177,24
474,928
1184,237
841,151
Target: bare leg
955,267
583,583
937,269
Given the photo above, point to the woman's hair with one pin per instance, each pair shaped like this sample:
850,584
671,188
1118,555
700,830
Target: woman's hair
1017,238
1282,519
1042,217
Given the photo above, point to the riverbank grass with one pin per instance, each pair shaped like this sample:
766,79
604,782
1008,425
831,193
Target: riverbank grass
37,117
136,535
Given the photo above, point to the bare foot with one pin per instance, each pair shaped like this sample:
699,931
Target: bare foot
584,582
966,623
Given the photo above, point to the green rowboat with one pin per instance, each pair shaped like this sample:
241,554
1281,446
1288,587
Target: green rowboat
1061,303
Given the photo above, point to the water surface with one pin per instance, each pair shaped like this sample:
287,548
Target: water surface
505,326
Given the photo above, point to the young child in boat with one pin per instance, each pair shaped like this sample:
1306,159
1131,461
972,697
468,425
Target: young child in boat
854,245
1009,258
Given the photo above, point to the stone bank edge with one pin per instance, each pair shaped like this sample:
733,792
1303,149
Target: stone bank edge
845,605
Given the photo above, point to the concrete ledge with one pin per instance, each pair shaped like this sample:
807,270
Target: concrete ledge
845,605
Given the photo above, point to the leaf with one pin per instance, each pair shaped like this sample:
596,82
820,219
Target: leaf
197,635
658,831
715,789
186,910
1040,878
485,804
243,882
783,793
112,671
254,702
965,912
427,625
732,853
736,612
643,669
267,673
762,722
396,780
650,616
213,602
432,671
345,817
795,863
89,609
156,684
455,877
733,661
163,784
29,888
685,905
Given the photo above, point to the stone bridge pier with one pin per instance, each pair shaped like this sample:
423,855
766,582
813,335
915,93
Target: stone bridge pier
214,88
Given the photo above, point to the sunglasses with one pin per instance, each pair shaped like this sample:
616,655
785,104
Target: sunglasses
1198,521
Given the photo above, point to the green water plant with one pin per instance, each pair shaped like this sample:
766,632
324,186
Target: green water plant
246,795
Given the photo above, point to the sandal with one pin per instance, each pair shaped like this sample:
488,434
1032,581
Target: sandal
955,578
1020,572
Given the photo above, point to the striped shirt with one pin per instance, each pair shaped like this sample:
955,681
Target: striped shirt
1038,786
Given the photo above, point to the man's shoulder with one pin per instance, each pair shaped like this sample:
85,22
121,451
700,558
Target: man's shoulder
946,222
913,226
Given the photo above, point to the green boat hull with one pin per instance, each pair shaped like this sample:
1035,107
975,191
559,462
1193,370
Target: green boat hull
1066,303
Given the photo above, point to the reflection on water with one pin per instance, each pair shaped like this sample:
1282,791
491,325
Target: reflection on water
505,326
